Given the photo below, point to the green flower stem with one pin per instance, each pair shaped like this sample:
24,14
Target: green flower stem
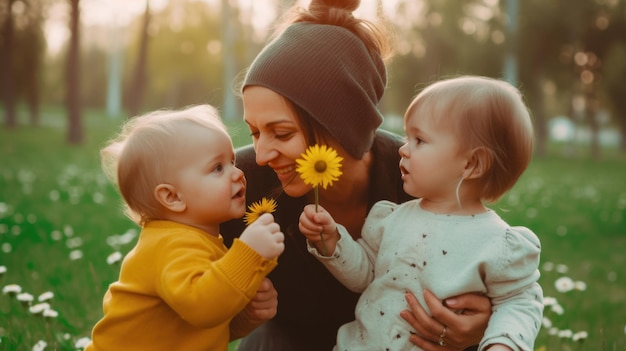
317,200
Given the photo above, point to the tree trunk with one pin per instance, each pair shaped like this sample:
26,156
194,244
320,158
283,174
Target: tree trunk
6,68
75,131
539,116
139,78
622,129
229,108
591,111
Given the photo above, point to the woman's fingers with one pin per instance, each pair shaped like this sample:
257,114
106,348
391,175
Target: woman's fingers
465,323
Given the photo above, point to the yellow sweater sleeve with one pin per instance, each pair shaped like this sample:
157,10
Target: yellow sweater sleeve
206,290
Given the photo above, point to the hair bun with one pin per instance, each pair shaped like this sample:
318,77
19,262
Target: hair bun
334,12
327,5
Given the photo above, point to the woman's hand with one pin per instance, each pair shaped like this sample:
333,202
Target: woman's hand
259,310
465,318
264,304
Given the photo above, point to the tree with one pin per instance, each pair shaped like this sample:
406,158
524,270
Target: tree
31,52
6,65
139,74
73,104
229,108
613,70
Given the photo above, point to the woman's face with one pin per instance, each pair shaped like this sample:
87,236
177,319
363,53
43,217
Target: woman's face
277,136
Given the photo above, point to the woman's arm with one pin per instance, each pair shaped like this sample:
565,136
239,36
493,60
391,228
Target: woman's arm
465,318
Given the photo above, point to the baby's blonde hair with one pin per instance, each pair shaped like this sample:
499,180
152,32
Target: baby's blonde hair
483,113
138,158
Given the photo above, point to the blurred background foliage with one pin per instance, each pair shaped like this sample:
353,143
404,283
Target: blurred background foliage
567,56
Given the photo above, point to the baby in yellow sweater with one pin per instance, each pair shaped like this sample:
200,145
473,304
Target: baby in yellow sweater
180,288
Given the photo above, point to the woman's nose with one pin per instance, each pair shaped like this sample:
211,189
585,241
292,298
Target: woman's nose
265,152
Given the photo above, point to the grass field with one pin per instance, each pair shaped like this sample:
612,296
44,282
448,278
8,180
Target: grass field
60,221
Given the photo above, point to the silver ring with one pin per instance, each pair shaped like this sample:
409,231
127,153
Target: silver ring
442,341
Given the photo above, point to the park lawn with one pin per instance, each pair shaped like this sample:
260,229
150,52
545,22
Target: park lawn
60,220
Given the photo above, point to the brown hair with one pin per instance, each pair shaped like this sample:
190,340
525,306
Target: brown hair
484,113
136,159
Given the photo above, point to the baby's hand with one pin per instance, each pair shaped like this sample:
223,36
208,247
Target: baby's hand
319,228
313,223
264,236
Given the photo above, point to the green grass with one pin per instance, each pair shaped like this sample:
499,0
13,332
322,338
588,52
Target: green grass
55,202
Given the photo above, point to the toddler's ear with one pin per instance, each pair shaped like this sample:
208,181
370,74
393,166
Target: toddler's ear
478,163
168,197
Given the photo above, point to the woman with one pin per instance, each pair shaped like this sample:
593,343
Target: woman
319,82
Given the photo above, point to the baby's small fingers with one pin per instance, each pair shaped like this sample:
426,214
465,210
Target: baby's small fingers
265,218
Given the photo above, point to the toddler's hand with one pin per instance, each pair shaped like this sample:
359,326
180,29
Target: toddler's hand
264,236
313,223
319,228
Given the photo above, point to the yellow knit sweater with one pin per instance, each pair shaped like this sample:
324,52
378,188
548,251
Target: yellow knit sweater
179,289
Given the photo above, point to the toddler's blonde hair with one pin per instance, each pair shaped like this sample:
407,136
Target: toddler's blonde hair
483,113
139,157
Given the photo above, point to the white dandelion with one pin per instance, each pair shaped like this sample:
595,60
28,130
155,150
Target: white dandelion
74,242
50,313
39,308
564,284
82,342
12,289
98,198
558,309
54,195
561,268
48,295
580,285
3,269
4,209
7,248
40,345
68,230
548,266
580,336
25,297
546,323
549,301
76,255
114,257
56,235
565,333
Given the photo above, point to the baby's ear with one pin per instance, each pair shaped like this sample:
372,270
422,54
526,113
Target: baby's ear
168,197
478,163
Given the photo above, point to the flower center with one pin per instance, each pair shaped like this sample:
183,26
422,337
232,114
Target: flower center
320,166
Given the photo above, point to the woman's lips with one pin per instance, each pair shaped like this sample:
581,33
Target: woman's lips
285,170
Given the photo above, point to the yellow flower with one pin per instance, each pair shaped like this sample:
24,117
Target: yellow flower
319,165
256,209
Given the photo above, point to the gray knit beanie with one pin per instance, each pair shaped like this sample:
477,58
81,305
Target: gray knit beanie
328,72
